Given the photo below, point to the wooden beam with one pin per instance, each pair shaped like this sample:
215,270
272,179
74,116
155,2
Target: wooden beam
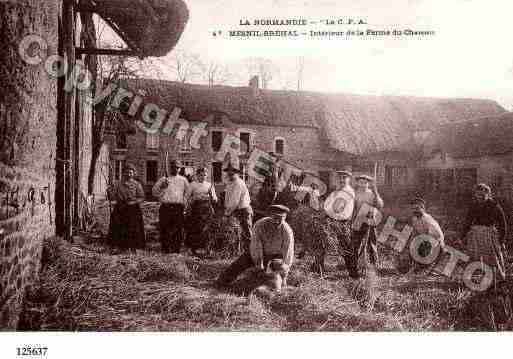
114,52
68,109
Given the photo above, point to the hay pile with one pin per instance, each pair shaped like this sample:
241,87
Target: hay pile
224,236
86,290
312,230
313,234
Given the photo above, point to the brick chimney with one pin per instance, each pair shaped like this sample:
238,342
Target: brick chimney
254,85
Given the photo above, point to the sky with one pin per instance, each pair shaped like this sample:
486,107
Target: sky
470,54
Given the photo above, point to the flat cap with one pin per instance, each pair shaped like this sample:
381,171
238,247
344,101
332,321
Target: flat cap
365,177
231,168
345,173
278,209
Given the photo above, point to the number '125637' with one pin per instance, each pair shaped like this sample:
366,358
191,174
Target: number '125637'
31,351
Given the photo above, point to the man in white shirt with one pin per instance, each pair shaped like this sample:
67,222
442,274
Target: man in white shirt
339,206
273,239
367,204
172,192
237,203
423,224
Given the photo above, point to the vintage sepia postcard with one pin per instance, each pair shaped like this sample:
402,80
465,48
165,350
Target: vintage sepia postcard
223,166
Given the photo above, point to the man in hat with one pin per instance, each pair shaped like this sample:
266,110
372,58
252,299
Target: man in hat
172,192
423,224
272,239
364,237
339,207
237,203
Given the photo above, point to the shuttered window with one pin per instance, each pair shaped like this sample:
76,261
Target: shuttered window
152,171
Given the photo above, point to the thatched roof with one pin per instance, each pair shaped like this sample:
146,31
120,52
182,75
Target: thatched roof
350,123
480,137
271,108
149,27
370,124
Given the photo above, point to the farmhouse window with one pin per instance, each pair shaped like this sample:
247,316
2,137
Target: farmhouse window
118,169
121,142
152,171
279,146
217,172
152,141
217,140
245,138
395,175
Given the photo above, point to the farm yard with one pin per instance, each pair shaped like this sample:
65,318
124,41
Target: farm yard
85,286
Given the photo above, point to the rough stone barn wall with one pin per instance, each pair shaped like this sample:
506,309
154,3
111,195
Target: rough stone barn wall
28,117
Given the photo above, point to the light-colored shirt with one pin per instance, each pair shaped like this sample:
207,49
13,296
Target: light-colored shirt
428,225
203,190
366,197
269,239
236,196
177,190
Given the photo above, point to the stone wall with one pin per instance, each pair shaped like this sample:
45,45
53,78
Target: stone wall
303,148
28,114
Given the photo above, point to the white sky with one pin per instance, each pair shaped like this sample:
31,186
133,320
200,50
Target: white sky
471,54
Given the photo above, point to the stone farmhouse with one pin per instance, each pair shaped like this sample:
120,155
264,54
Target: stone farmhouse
316,132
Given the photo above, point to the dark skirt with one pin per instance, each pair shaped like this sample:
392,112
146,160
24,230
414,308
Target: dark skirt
127,227
201,213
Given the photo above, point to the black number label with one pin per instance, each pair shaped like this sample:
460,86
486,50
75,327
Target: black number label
31,351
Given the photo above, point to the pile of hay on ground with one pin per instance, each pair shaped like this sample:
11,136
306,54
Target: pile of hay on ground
311,229
85,290
224,236
313,234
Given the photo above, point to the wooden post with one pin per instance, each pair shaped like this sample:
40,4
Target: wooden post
68,38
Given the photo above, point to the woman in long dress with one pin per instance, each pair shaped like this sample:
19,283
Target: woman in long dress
126,230
485,236
200,210
485,231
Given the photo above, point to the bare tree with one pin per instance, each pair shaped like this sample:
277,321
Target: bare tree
265,69
105,71
300,72
185,66
215,73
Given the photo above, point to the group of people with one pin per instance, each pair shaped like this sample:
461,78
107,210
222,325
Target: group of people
184,207
188,206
